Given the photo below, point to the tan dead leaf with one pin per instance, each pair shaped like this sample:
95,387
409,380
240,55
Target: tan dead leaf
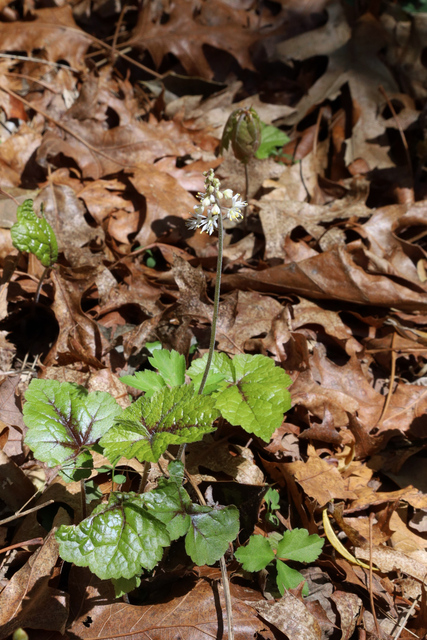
357,62
332,275
79,338
319,479
291,617
15,487
120,147
16,151
234,460
403,539
105,380
348,605
168,204
254,315
187,31
367,496
53,29
388,559
27,597
11,414
196,608
285,208
66,214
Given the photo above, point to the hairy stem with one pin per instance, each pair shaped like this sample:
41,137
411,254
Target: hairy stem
216,302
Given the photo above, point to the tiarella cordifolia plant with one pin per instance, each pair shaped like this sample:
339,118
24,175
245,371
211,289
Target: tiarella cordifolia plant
126,537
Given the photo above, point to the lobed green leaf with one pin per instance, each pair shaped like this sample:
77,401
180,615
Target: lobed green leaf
150,425
171,372
300,546
288,578
256,555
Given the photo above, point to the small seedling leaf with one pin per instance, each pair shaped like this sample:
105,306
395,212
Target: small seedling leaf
148,381
64,420
117,540
150,425
256,555
211,531
288,578
171,372
34,235
271,138
300,546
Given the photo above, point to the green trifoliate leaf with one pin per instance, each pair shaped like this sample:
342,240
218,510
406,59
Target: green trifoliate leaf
34,235
271,138
211,531
288,578
256,555
64,420
171,372
150,425
299,545
117,541
253,392
170,365
148,381
243,131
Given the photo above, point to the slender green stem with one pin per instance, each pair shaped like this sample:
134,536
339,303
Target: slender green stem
216,302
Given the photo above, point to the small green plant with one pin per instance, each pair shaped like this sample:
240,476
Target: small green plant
126,536
296,545
272,139
32,234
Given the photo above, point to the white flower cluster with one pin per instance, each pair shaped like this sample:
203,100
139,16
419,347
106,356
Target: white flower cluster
205,216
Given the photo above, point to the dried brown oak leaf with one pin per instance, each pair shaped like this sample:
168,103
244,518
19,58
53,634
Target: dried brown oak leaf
53,30
187,30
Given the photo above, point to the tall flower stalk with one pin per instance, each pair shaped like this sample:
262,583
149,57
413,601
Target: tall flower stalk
208,216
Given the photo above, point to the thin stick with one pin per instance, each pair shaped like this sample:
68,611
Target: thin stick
12,56
227,597
405,620
25,513
23,544
392,377
371,592
399,126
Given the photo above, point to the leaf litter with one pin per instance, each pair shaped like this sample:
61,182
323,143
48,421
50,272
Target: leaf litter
109,117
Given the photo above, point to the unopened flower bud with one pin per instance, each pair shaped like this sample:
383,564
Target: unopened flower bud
243,130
